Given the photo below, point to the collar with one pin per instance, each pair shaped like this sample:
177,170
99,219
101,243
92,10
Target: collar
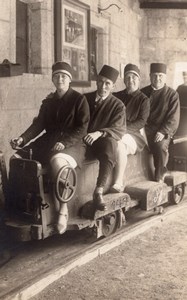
99,97
133,93
154,89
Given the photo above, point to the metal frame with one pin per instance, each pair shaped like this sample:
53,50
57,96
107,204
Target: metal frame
74,51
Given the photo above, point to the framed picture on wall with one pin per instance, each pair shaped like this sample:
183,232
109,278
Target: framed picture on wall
72,27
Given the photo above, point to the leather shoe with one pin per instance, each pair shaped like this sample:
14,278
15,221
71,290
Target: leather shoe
99,201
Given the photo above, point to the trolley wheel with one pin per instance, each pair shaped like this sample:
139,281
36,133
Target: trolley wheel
159,210
178,193
66,184
110,223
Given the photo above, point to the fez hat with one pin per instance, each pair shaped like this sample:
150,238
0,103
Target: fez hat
61,66
130,68
158,68
109,72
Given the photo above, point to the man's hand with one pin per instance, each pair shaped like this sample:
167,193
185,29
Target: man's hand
92,137
15,143
58,147
159,137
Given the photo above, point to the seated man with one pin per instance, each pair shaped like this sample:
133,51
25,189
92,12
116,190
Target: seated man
137,112
106,127
64,115
164,116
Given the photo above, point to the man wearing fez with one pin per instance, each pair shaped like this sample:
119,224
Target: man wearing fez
137,111
106,127
64,117
164,117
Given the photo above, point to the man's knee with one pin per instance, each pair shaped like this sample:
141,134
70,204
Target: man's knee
130,143
105,149
109,148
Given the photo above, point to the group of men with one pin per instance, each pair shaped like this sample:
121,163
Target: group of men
104,123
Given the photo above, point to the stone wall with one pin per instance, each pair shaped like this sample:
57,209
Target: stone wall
164,39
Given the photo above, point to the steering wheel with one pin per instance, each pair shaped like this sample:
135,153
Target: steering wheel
66,183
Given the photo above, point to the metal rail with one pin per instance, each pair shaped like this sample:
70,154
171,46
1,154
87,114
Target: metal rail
179,139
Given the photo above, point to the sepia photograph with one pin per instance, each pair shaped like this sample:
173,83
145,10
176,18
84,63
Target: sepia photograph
93,150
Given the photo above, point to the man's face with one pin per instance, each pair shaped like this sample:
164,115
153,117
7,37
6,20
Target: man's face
158,80
104,86
132,82
61,81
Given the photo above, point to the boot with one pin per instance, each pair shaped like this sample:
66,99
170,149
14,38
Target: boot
98,200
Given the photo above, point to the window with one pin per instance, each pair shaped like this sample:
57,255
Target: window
93,53
21,35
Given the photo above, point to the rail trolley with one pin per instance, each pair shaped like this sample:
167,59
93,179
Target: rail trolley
31,211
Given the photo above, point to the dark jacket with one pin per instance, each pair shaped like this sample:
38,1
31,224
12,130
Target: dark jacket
137,111
63,120
164,110
182,91
108,117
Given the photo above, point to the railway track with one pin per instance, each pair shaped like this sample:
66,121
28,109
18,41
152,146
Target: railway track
34,265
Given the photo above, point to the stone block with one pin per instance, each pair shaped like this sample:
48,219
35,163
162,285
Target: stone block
156,28
5,40
172,28
5,10
182,23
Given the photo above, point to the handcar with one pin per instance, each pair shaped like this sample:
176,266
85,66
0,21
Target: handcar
31,211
